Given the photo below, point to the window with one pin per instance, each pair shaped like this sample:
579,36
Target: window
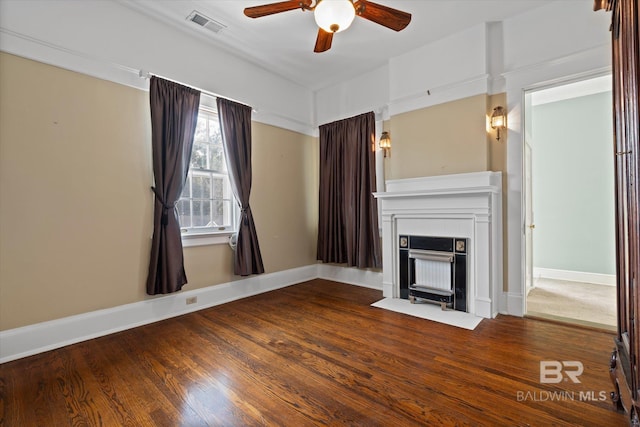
206,205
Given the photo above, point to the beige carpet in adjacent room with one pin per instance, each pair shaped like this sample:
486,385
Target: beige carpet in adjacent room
582,303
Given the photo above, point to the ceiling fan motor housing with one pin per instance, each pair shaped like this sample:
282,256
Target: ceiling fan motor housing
334,16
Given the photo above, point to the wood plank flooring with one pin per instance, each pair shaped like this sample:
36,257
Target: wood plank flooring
313,354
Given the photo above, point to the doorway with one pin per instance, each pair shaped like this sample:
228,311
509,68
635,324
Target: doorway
569,203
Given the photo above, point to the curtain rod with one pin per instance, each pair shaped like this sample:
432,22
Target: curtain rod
147,75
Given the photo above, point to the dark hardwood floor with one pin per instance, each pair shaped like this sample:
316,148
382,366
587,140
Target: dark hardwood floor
313,354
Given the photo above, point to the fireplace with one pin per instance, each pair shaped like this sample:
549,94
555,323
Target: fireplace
433,269
465,207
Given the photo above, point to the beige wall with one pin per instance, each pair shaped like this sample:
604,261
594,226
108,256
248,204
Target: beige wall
75,203
284,198
439,140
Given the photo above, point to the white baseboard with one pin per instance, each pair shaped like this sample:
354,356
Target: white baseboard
575,276
353,276
40,337
29,340
483,308
387,290
511,304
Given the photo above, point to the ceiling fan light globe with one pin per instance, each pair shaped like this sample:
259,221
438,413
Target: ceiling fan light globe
334,16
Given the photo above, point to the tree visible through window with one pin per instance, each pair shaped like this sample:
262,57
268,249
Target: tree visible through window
206,204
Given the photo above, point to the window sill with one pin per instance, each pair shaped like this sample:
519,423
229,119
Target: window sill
205,239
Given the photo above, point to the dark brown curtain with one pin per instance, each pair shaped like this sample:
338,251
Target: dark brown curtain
348,218
235,125
174,114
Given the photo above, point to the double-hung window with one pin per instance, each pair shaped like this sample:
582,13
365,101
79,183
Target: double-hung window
207,206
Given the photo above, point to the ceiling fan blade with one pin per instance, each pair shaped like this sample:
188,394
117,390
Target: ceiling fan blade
270,9
323,42
386,16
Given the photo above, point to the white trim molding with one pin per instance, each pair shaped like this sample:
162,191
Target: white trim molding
40,337
52,54
512,304
575,276
56,55
353,276
441,94
590,62
29,340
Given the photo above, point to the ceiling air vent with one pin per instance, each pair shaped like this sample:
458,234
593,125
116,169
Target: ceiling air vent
205,22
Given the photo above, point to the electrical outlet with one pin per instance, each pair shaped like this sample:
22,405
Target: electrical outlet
192,300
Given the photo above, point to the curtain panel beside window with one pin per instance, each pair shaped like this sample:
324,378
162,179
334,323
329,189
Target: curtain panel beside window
235,126
174,114
348,215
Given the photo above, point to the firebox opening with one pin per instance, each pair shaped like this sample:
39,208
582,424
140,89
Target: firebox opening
434,269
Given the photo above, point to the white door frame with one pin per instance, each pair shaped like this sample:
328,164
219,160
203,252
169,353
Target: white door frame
528,144
591,63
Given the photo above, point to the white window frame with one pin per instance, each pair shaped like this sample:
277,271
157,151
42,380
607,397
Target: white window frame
199,236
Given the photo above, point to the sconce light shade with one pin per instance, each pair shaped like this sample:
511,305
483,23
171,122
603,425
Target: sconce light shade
334,16
385,142
498,120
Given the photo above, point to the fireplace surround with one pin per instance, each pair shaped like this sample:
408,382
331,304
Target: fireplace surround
467,206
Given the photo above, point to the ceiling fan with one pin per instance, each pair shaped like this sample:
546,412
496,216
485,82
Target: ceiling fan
333,16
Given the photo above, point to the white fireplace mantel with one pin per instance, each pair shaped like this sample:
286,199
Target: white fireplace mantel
467,205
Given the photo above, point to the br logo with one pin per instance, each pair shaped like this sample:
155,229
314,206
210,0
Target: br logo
554,371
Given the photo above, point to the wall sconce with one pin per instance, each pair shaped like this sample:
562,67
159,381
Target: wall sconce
385,142
498,120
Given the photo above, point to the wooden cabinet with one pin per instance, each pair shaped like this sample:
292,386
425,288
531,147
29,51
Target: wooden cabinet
625,17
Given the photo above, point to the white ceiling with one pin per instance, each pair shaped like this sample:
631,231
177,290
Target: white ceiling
283,43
